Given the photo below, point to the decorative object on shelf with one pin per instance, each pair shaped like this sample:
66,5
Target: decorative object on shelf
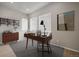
65,21
15,24
42,23
7,22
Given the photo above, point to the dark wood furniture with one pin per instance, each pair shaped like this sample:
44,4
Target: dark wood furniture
8,37
29,35
40,39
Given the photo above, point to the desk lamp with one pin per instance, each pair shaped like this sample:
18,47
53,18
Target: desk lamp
42,23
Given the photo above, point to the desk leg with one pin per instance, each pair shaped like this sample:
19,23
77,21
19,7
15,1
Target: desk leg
32,42
27,43
42,49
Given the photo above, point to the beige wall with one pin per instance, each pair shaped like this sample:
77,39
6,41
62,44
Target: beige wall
69,39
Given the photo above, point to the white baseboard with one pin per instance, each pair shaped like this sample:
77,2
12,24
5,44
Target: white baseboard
66,47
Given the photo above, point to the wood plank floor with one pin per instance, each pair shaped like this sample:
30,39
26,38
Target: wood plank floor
69,53
6,51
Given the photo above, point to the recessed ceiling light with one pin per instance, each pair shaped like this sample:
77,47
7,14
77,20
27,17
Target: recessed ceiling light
27,9
11,2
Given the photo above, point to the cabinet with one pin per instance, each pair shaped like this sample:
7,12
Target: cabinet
8,37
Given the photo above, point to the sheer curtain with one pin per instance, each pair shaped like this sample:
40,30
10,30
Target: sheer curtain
24,24
47,21
33,24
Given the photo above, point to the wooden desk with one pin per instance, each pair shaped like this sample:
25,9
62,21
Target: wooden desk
42,39
29,36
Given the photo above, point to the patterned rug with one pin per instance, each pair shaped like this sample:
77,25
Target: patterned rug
20,50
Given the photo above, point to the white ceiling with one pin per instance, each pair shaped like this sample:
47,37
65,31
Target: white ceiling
25,7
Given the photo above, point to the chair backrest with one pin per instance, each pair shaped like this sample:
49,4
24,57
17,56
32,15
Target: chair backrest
38,33
50,36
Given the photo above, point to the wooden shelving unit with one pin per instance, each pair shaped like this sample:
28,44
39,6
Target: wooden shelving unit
7,22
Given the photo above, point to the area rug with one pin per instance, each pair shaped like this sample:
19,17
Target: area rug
20,50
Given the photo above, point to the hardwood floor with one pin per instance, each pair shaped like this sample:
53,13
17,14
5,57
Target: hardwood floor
6,51
69,53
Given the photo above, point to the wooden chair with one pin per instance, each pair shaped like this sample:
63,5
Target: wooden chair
45,43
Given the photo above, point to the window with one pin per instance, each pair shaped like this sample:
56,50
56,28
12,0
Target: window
24,24
47,21
33,24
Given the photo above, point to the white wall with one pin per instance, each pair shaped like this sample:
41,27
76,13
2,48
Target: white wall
69,39
6,12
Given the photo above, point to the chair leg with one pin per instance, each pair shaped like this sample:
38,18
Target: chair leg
32,42
49,48
37,47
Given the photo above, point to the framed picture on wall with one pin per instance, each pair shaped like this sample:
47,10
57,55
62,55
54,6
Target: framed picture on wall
65,21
